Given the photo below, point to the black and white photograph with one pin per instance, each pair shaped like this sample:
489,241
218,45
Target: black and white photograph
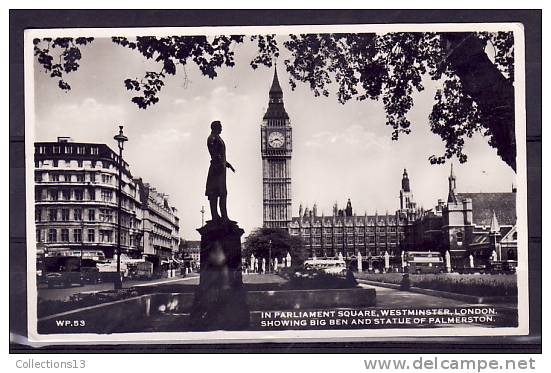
277,182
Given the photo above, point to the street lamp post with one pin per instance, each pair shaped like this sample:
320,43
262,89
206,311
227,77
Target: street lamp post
120,141
202,211
269,256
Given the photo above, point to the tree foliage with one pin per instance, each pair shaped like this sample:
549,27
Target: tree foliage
262,240
68,54
476,93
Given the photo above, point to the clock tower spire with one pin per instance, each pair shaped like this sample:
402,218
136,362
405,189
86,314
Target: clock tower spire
276,149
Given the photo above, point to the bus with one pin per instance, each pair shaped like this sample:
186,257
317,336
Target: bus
425,262
332,266
68,267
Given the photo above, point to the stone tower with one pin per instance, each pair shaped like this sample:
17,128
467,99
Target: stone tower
276,149
406,198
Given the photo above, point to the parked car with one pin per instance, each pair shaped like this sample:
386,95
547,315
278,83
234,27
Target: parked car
90,275
65,279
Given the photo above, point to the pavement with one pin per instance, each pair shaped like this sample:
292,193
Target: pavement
386,297
391,298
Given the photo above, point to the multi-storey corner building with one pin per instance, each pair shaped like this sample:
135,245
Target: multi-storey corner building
76,191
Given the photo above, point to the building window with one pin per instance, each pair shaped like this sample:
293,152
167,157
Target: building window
41,150
459,237
66,194
80,164
52,235
78,214
69,150
38,235
64,235
53,214
106,215
55,177
93,177
37,214
64,214
67,178
53,195
91,235
81,150
77,235
93,164
38,176
91,215
105,235
57,149
79,195
94,150
55,163
106,195
92,194
106,178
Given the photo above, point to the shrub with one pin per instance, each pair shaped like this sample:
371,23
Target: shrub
476,284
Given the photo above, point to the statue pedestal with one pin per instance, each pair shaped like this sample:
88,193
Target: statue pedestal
220,301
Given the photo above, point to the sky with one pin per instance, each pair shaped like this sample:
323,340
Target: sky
339,151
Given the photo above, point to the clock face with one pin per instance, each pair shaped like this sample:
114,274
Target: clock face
276,139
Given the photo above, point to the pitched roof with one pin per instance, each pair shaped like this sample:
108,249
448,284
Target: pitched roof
276,88
485,204
360,220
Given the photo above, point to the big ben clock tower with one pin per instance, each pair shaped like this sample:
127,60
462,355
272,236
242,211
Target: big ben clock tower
276,148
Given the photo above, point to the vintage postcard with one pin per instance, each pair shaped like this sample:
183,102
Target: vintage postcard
332,182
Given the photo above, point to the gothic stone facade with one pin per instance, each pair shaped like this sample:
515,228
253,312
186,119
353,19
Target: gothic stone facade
348,234
276,149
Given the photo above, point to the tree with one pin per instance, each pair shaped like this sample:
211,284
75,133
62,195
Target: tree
263,240
476,94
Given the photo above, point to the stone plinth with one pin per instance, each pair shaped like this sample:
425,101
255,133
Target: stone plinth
220,301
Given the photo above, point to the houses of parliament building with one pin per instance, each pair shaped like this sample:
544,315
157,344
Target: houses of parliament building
347,233
481,225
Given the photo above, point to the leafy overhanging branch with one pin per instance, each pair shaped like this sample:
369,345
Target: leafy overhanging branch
68,56
364,66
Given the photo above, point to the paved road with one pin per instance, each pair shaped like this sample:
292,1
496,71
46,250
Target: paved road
62,293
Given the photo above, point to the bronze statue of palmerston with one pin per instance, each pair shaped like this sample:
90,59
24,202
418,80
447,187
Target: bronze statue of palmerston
216,180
